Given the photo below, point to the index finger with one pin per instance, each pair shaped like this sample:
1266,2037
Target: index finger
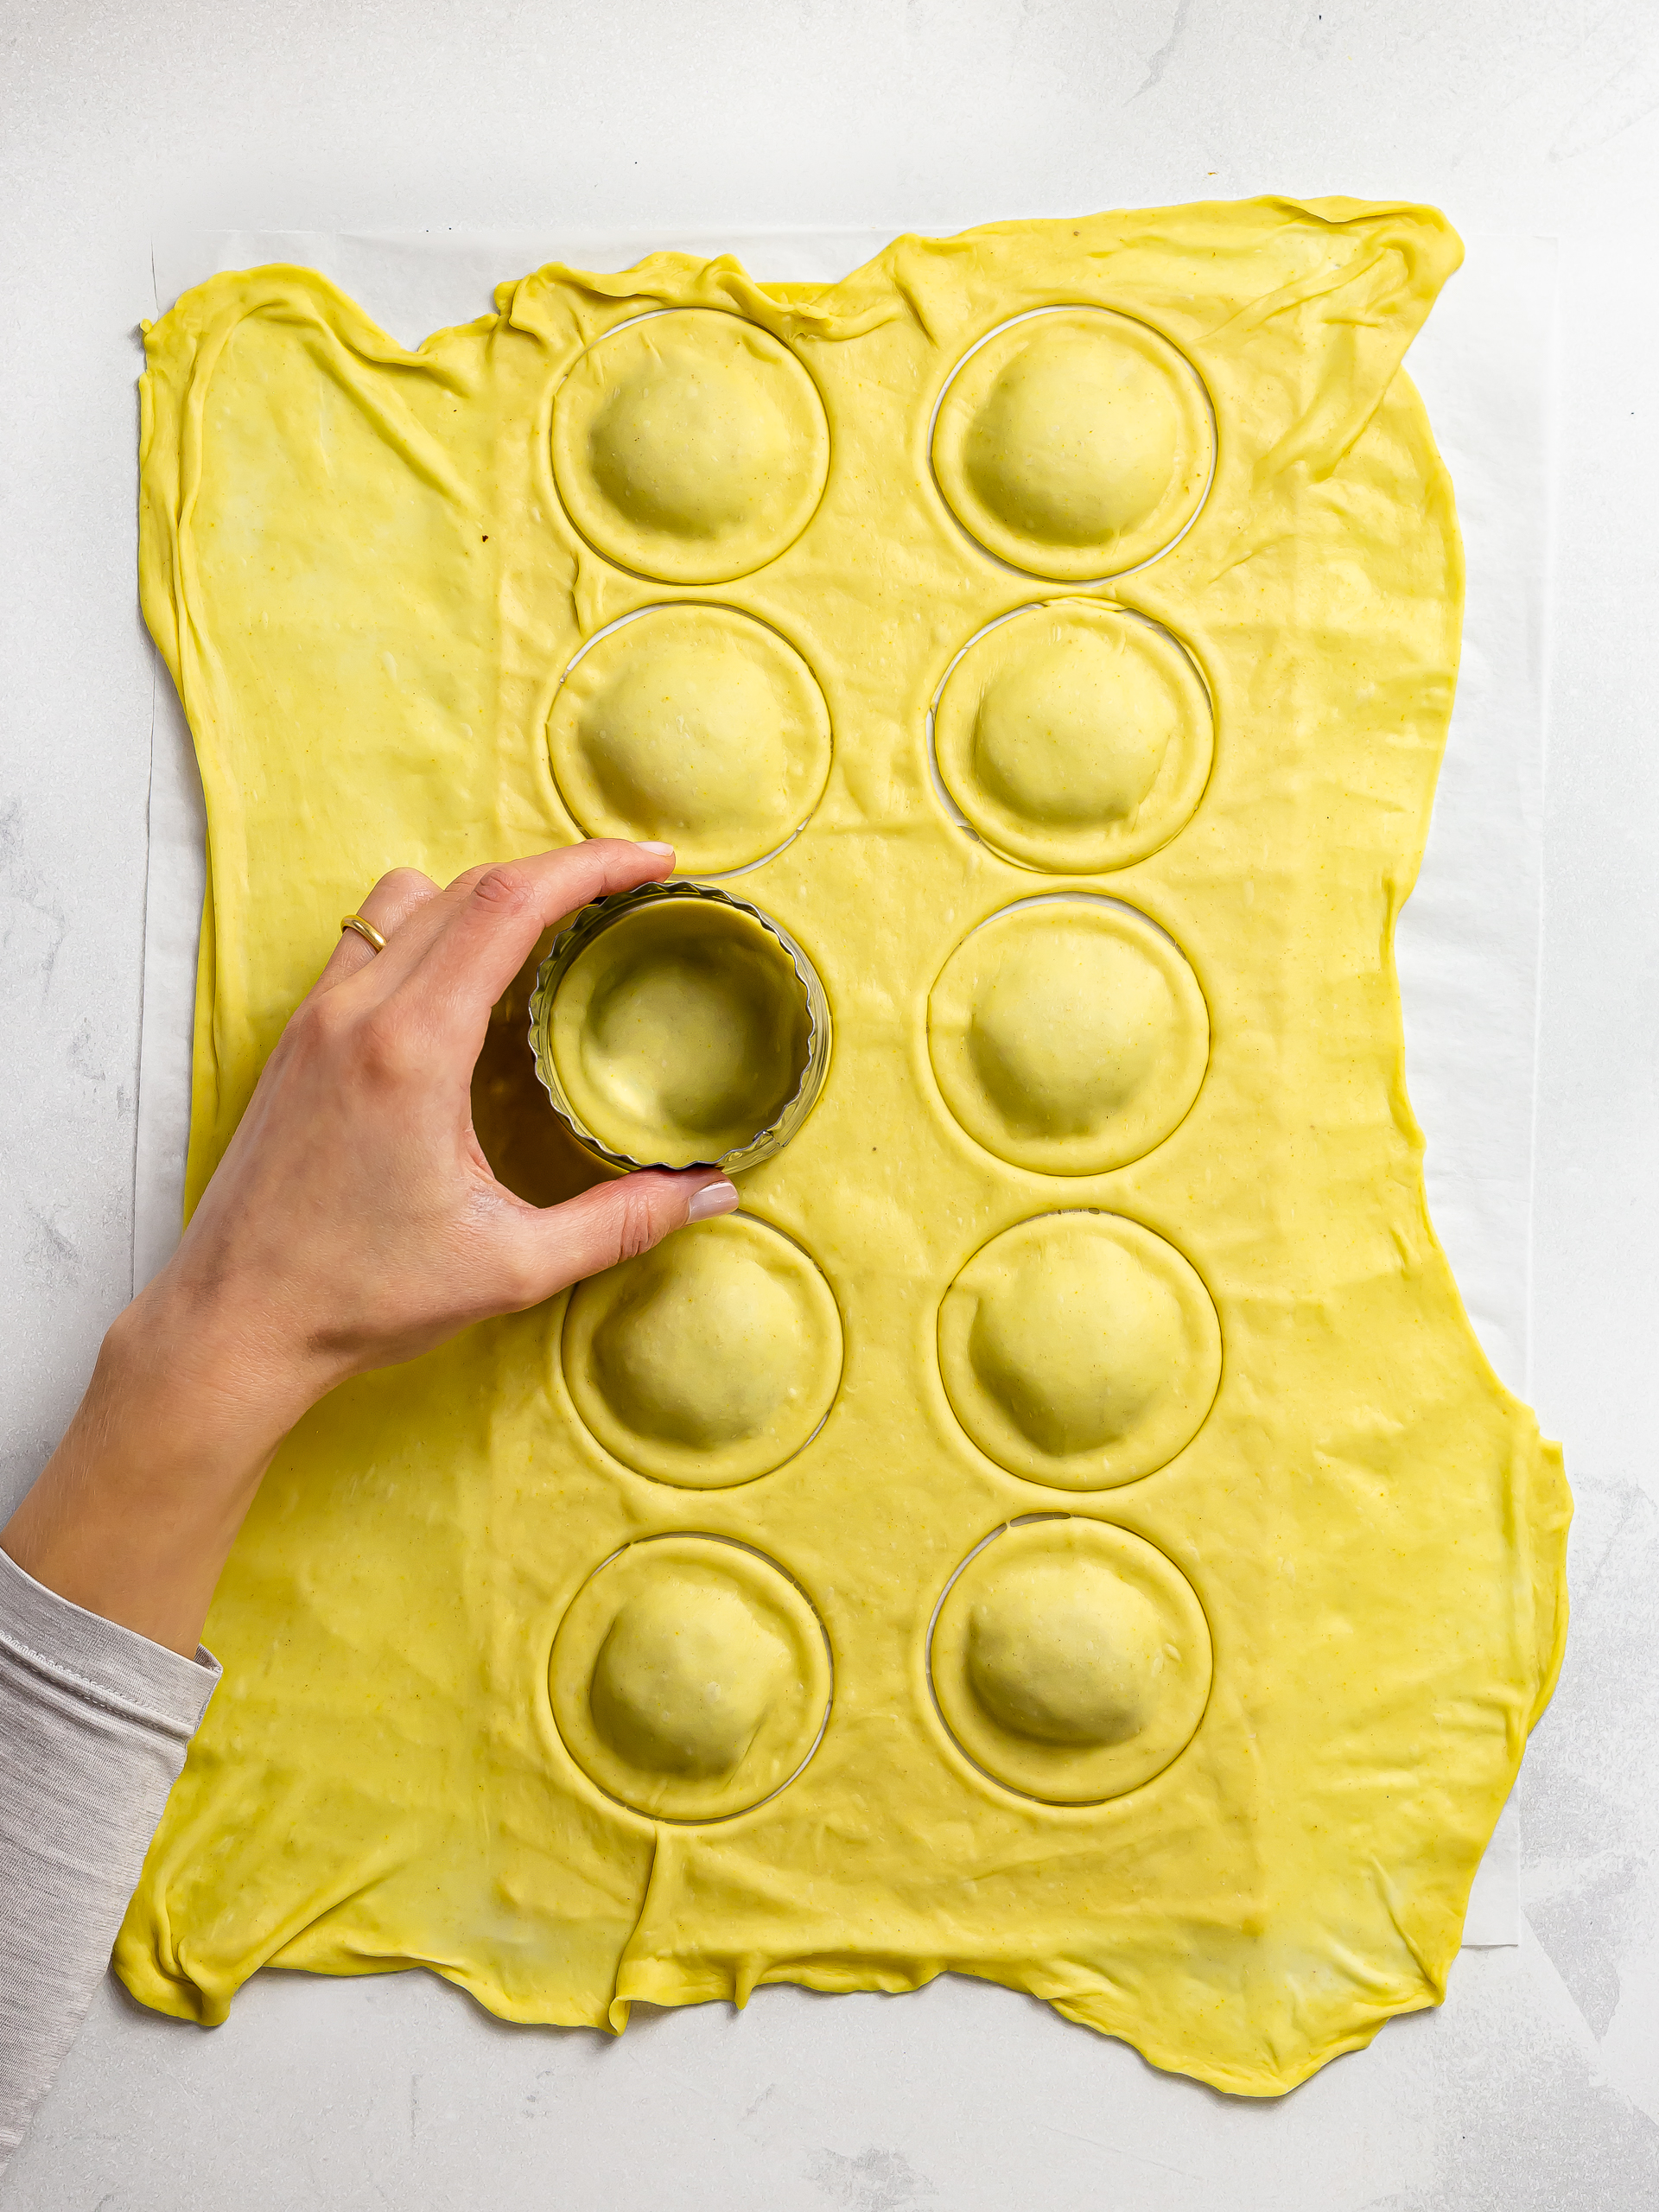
464,948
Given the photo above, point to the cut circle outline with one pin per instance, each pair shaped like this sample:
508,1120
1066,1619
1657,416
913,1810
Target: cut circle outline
961,1095
775,1771
1078,572
662,556
590,818
990,1425
592,1302
1185,780
977,1737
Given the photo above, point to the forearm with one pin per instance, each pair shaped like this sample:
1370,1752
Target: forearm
353,1223
106,1570
136,1511
94,1722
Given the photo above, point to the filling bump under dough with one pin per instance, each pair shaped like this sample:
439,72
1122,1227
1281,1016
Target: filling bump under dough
689,1678
694,726
707,1361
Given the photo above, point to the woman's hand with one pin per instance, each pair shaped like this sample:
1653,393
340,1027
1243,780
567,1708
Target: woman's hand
352,1223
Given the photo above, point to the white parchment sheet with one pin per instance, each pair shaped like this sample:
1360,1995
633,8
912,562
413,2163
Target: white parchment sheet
1468,942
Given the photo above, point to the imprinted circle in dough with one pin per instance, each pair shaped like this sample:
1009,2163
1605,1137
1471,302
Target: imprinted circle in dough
1075,737
707,1361
689,1678
1079,1350
693,725
680,1032
1071,1660
1076,442
1068,1036
689,445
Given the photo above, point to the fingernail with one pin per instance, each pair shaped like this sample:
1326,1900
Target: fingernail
650,845
712,1199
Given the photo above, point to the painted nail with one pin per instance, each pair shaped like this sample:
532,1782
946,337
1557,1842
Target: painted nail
650,845
712,1199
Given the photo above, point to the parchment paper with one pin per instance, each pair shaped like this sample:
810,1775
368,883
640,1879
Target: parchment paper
1468,943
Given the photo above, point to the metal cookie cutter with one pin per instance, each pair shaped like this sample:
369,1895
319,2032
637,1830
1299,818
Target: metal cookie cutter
589,923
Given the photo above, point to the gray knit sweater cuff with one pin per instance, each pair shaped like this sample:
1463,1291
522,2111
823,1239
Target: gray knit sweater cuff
94,1724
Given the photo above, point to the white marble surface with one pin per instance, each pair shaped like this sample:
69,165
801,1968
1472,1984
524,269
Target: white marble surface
1538,2083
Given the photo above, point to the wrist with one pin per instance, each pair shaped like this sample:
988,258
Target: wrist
137,1508
208,1372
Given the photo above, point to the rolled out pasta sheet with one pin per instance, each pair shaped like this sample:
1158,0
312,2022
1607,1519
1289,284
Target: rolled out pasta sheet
1468,943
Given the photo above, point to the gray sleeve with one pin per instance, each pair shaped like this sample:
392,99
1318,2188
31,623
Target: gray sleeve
94,1724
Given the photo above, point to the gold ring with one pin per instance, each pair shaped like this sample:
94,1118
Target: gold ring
367,931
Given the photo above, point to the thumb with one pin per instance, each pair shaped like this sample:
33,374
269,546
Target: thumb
617,1221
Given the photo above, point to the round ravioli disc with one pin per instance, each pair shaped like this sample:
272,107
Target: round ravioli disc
689,1678
1071,1660
691,446
1068,1036
709,1360
1074,737
680,1032
693,725
1079,1350
1075,443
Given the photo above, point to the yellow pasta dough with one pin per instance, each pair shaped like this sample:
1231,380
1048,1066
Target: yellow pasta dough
1063,1530
1074,442
1068,1035
709,1361
690,445
1079,1350
689,1678
695,725
1070,1660
1074,737
680,1032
